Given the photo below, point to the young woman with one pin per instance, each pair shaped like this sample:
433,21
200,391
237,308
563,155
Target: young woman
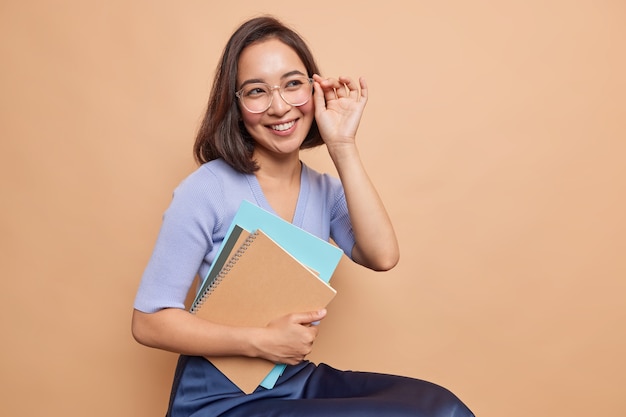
267,103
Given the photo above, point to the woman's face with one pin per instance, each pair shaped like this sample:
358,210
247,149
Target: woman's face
282,128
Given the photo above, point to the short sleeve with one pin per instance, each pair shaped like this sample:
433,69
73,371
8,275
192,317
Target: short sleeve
340,225
185,237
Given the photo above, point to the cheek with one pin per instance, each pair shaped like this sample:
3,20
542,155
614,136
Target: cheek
308,110
250,120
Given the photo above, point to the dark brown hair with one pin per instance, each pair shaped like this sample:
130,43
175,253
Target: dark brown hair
222,133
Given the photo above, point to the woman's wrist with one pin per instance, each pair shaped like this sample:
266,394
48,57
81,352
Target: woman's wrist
253,342
342,151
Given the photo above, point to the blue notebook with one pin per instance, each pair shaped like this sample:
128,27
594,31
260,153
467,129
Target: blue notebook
317,254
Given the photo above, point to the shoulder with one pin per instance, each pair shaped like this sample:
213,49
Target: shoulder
210,176
324,184
321,180
205,191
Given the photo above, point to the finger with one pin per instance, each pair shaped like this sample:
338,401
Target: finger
342,87
330,86
318,98
350,86
330,83
346,88
330,93
363,85
309,317
358,91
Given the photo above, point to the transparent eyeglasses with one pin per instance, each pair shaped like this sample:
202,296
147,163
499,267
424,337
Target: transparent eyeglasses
257,97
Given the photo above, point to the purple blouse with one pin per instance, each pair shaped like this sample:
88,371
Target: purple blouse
200,213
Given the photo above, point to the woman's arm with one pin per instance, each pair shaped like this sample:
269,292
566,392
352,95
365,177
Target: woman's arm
339,105
285,340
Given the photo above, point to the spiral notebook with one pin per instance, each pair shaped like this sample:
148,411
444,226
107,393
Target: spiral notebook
312,251
318,254
260,282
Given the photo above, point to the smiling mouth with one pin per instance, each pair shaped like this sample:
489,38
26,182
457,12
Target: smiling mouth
283,126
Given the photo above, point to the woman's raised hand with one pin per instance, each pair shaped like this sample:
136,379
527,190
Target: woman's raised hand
339,105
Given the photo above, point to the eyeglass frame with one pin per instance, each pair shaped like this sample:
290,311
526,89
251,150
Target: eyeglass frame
238,94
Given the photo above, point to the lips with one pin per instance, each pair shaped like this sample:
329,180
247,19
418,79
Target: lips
283,126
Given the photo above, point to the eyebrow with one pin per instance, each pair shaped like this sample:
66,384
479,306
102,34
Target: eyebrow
258,80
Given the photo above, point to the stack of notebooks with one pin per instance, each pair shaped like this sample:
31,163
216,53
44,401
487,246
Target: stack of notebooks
266,268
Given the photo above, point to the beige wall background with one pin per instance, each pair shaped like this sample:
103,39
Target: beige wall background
495,132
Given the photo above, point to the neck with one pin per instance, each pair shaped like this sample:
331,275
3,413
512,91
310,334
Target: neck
286,169
281,186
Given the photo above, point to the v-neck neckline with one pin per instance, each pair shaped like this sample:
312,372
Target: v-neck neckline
261,200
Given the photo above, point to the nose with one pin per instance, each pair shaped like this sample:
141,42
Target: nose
278,105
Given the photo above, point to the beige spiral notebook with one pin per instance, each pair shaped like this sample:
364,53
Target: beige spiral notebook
260,282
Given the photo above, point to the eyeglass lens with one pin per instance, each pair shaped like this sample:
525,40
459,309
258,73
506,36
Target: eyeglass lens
257,97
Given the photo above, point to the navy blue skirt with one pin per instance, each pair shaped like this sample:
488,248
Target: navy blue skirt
201,390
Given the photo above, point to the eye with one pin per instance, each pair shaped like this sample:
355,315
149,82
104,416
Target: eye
255,90
294,84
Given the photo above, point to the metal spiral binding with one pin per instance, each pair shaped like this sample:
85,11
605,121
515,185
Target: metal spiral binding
223,272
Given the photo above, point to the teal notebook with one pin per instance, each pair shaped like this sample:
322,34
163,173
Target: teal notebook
317,254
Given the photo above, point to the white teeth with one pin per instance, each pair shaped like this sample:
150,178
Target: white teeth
284,126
